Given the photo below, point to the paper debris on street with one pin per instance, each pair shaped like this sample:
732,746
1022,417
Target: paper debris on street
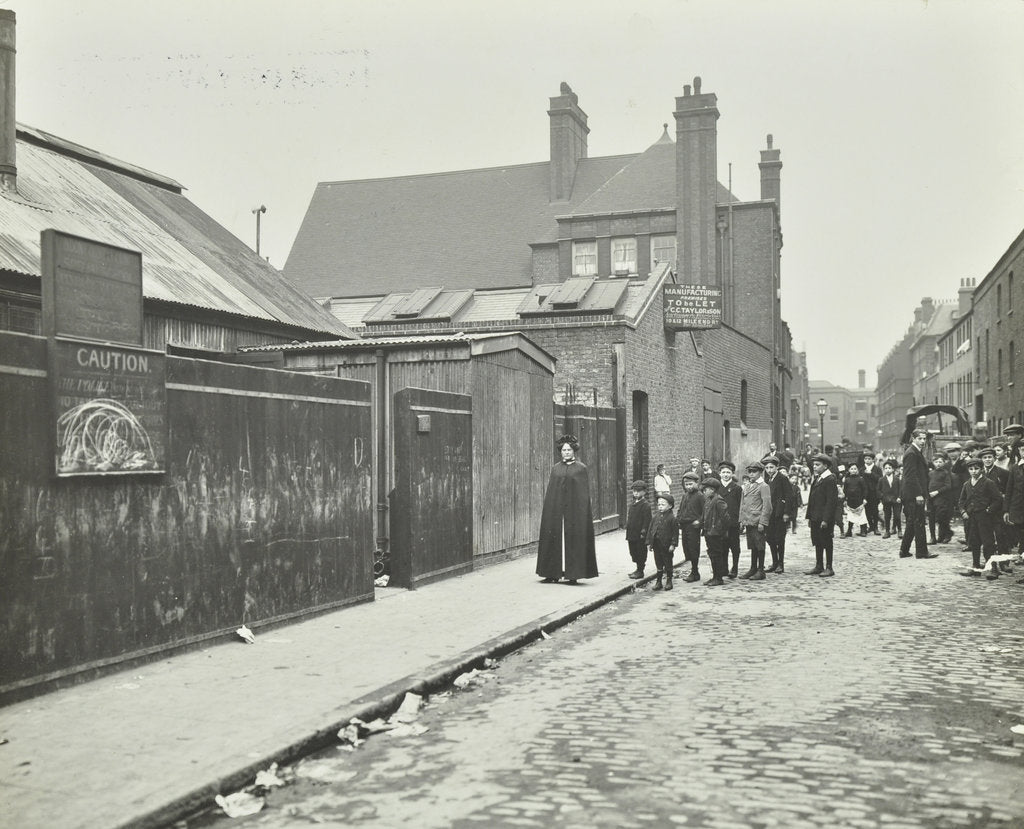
240,804
246,635
409,710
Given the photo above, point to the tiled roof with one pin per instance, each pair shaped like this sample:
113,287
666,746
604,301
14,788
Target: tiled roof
465,229
187,258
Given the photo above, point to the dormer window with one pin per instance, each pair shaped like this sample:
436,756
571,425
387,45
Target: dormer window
584,258
623,256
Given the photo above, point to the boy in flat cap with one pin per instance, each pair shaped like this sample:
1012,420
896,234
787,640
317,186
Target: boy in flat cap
732,493
690,516
821,514
781,494
715,525
755,513
638,519
662,538
941,499
980,502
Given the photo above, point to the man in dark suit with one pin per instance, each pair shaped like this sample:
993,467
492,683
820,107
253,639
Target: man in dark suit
822,501
914,492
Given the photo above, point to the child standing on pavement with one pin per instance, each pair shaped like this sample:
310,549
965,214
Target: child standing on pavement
940,499
731,492
638,519
690,515
755,512
662,537
716,527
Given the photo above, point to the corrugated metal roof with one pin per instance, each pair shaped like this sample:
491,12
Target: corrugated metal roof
187,258
380,342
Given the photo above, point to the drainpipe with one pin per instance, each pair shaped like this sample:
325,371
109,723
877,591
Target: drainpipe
8,128
382,464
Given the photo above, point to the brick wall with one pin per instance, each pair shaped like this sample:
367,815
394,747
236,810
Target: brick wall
731,357
999,321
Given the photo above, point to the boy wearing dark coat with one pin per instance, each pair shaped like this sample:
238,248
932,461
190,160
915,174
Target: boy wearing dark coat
941,498
821,514
662,537
690,515
782,496
731,493
980,502
638,519
716,527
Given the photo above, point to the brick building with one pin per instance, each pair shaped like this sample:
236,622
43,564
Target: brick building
851,416
924,351
998,334
955,375
575,252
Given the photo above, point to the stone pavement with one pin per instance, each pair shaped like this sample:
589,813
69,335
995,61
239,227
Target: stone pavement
143,746
883,697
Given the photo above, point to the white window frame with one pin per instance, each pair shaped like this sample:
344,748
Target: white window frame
623,255
584,258
656,247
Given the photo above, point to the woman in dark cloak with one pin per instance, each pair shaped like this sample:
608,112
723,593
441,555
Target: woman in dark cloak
566,545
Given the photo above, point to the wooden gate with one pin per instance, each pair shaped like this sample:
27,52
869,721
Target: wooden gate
432,503
601,431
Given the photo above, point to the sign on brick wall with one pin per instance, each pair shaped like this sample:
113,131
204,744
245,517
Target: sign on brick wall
688,307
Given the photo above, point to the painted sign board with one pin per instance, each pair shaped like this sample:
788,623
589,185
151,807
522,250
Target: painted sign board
688,307
91,290
110,408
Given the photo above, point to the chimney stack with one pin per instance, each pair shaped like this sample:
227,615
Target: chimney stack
770,167
861,374
568,141
8,134
696,185
965,296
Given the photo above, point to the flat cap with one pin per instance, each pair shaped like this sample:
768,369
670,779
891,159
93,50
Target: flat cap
756,465
711,482
668,499
728,464
973,462
691,476
638,484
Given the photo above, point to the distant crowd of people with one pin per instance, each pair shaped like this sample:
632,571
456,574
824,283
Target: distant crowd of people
916,499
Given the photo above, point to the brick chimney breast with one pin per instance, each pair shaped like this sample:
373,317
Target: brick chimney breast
771,174
696,184
569,132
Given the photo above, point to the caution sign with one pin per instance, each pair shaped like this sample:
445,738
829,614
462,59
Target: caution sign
110,409
689,307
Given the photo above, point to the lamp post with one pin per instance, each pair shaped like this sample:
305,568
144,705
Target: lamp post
879,432
822,405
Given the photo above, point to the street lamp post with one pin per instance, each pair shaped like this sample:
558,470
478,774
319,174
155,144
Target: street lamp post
879,432
822,405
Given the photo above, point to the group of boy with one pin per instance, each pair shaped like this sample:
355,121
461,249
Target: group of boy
722,510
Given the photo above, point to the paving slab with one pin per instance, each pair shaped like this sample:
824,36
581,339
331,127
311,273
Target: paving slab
142,746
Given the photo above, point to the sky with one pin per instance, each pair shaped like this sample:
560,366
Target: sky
900,122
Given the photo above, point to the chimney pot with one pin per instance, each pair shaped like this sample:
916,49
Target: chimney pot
696,85
686,90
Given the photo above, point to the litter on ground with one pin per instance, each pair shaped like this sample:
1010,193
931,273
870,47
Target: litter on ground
240,804
246,635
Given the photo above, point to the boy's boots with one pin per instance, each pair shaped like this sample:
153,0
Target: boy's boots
668,580
849,530
658,585
818,569
863,530
694,572
638,573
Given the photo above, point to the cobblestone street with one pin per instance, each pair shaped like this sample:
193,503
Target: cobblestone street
881,697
